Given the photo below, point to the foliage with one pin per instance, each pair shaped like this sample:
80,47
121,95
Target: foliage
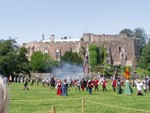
40,62
92,54
22,65
137,33
142,72
144,60
72,57
127,31
103,55
12,58
97,55
141,34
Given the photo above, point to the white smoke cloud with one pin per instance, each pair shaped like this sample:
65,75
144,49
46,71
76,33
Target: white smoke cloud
68,71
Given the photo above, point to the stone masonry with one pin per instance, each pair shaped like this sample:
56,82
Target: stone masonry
121,49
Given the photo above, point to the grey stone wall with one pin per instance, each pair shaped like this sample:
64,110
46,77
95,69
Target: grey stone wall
123,50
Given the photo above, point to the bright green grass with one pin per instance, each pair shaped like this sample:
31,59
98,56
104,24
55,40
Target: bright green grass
40,99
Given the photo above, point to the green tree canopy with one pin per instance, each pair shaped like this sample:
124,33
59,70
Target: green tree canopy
141,34
40,62
137,33
71,57
103,55
127,31
12,58
93,54
22,65
144,60
97,55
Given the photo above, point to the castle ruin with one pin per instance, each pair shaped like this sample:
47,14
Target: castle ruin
121,49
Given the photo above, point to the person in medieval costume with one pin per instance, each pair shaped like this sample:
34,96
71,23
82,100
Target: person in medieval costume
114,84
104,82
139,86
52,82
78,85
26,85
59,88
96,82
90,86
83,84
128,89
119,87
65,88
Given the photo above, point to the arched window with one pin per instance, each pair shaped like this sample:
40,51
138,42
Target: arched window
57,55
119,49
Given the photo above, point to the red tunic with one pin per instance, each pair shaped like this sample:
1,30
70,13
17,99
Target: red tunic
114,83
59,90
96,82
104,83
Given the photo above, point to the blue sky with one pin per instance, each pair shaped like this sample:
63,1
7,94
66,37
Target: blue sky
27,20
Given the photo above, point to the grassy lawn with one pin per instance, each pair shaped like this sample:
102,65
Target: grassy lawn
40,99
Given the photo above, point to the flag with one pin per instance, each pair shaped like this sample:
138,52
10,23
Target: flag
127,73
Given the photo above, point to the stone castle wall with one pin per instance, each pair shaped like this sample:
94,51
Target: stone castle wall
50,48
122,50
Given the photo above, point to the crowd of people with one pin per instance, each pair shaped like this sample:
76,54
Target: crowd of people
97,83
62,86
118,85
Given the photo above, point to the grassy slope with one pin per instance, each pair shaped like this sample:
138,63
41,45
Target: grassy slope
41,99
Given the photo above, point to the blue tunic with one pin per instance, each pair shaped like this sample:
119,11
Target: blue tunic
64,89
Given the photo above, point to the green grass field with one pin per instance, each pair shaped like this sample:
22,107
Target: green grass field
40,99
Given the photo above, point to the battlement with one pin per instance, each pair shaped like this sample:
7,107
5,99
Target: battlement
90,37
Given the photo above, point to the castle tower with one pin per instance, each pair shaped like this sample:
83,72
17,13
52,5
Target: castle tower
52,37
43,37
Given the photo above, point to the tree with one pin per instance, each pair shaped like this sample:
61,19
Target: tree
48,62
97,55
10,58
137,33
40,62
141,34
22,65
71,57
144,60
127,31
93,54
103,55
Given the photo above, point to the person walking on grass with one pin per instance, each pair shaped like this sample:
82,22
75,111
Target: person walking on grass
139,87
119,89
104,82
114,84
65,88
90,86
78,85
59,87
26,85
128,89
96,82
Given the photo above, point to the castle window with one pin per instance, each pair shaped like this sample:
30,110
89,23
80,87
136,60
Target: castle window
122,55
73,48
57,55
119,49
46,51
